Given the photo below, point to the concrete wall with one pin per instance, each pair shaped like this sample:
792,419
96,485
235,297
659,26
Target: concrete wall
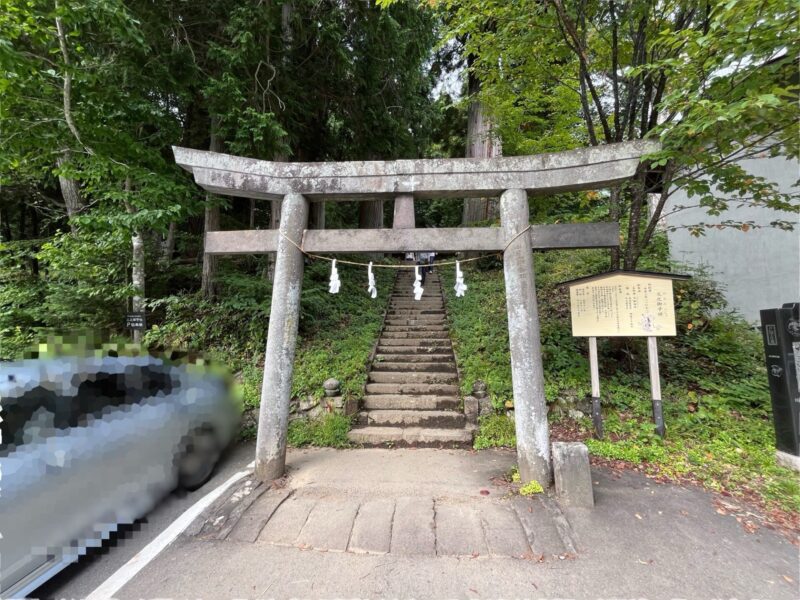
759,268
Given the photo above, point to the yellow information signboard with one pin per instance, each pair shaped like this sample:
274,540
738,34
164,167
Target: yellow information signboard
622,304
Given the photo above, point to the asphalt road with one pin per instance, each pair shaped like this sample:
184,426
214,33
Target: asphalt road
80,579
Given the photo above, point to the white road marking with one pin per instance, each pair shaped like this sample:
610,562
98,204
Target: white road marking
128,571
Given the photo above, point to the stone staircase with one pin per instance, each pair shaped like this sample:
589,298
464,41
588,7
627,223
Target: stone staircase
412,394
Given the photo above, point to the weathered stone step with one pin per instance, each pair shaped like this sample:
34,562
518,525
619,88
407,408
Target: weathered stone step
411,313
418,315
439,343
444,389
415,316
418,322
422,357
409,376
428,293
447,365
406,402
445,419
418,349
418,334
429,327
411,436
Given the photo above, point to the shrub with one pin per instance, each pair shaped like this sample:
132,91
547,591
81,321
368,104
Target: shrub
329,431
531,488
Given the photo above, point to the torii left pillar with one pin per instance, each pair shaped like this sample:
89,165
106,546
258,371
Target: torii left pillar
276,388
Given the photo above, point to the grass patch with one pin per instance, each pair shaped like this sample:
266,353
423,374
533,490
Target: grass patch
330,431
495,431
716,400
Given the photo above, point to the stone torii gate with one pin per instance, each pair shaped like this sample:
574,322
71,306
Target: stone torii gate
511,178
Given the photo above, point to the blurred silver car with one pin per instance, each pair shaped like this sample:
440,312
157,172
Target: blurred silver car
89,444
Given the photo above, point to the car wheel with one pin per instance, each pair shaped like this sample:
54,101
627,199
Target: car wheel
198,459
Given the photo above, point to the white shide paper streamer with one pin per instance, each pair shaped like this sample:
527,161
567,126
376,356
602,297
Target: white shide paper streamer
335,283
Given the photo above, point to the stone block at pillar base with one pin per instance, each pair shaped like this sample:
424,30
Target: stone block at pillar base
573,478
471,409
350,407
790,461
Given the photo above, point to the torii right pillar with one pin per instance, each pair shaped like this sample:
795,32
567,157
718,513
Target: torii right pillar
527,373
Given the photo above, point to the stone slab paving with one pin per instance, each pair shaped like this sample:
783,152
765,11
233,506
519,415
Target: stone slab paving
285,526
459,531
252,522
319,519
329,525
413,527
503,531
372,528
445,513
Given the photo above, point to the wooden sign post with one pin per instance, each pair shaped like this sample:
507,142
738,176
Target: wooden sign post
618,304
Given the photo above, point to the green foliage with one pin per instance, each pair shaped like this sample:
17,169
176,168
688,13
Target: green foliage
496,431
329,431
716,400
715,83
531,488
85,106
479,330
337,331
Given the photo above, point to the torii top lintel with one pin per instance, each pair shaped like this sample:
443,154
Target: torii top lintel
574,170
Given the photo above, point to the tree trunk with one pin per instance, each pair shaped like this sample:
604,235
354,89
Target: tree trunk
210,223
70,190
5,226
287,10
316,216
137,278
23,213
480,144
370,214
35,232
168,246
137,268
638,198
614,213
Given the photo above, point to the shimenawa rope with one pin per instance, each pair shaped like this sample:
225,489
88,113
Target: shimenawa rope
383,266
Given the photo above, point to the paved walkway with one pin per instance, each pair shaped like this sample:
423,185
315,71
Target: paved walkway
434,522
420,523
